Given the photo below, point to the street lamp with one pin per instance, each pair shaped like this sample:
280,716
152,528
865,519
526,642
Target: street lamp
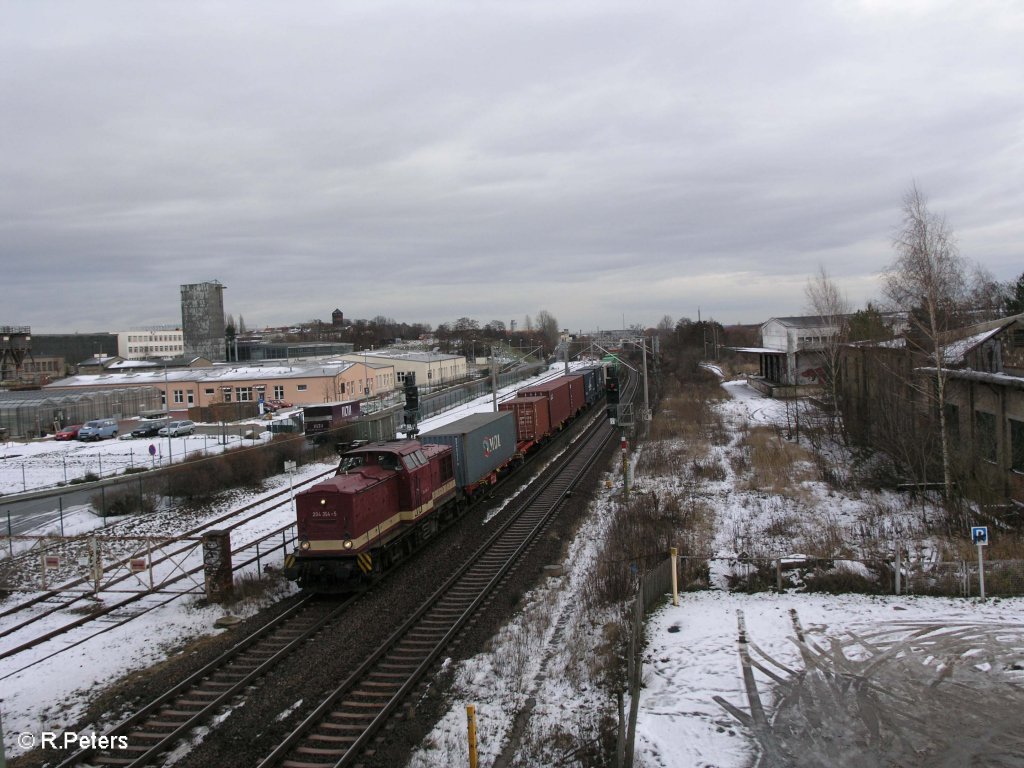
167,413
226,391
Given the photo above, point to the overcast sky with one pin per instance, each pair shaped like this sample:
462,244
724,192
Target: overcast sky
609,162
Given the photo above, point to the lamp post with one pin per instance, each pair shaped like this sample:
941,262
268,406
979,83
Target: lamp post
226,391
167,413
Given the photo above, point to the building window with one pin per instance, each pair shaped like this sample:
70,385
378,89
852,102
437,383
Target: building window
279,392
179,396
1017,445
191,398
208,391
985,432
244,394
301,387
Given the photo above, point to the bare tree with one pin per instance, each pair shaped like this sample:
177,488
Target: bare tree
1013,303
986,296
926,280
547,326
827,302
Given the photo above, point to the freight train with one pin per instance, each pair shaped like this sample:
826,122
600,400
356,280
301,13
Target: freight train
388,498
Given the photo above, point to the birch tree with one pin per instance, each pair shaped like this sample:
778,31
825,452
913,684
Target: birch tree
827,302
927,281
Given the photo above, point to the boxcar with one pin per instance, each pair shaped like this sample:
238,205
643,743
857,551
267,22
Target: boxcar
532,423
559,395
593,382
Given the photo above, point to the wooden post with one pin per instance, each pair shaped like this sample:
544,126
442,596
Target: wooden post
675,578
898,568
471,733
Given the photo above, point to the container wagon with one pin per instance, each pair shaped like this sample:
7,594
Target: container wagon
564,396
483,446
593,382
532,422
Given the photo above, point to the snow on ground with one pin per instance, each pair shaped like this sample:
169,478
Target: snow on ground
538,664
45,462
42,689
693,656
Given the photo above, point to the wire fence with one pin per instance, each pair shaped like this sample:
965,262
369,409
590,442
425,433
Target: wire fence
959,578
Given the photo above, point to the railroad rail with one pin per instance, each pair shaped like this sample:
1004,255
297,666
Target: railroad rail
59,592
340,730
153,729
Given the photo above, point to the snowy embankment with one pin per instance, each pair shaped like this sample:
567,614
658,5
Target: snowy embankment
694,683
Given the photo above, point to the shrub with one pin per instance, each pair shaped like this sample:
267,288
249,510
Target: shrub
843,579
123,501
198,477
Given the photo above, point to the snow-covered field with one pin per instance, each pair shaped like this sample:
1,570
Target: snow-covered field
693,663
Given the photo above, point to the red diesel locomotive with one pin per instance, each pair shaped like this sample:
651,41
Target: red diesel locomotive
388,498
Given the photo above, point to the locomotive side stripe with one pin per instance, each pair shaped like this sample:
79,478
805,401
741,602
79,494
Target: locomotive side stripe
408,516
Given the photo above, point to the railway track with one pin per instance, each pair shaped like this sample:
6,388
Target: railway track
168,722
56,597
151,731
341,730
114,615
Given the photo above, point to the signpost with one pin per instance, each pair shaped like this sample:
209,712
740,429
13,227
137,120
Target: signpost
979,535
289,467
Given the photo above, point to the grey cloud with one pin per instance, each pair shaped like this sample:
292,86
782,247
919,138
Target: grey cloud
408,160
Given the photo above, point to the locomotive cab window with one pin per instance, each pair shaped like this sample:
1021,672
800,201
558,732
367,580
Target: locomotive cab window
409,462
387,460
349,463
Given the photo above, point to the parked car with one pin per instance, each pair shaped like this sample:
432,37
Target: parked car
177,428
68,433
278,404
97,429
152,429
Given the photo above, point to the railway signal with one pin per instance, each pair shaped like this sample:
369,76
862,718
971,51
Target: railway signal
411,413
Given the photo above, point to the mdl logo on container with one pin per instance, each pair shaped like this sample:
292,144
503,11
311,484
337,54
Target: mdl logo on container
491,444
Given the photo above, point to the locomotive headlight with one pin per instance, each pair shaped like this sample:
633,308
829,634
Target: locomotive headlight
347,544
304,545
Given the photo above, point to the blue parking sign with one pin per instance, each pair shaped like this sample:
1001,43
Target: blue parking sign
979,534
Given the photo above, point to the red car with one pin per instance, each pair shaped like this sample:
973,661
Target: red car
68,433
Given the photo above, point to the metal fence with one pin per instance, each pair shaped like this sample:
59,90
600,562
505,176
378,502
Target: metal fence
960,578
963,578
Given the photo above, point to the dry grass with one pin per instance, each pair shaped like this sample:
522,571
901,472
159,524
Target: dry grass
776,465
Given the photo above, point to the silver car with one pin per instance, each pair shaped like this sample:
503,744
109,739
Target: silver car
177,428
